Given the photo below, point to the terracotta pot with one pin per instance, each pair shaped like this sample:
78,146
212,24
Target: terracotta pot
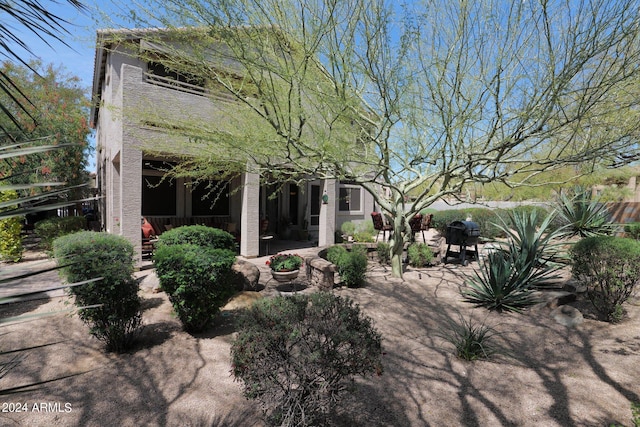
284,276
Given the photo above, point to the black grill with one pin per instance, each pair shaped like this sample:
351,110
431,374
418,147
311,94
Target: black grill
462,234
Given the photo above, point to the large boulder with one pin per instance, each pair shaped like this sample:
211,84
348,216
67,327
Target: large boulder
245,275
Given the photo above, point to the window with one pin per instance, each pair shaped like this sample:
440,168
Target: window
158,198
203,197
350,199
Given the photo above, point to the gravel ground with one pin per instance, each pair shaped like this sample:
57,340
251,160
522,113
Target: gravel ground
547,374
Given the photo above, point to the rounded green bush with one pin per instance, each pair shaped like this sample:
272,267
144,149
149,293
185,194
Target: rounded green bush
419,254
296,355
88,255
51,228
198,281
384,253
610,268
200,235
352,265
633,230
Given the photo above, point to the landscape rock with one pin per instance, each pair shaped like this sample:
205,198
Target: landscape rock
246,275
567,316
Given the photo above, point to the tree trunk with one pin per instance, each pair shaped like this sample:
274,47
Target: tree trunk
396,243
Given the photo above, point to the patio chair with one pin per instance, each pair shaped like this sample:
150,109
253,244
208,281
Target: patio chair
379,225
149,237
416,226
425,225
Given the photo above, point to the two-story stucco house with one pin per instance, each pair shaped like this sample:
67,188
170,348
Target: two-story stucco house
128,176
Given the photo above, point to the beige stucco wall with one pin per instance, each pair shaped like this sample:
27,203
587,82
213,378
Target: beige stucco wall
129,122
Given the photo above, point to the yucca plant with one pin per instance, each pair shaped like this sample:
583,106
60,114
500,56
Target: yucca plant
504,283
472,341
524,263
583,216
535,240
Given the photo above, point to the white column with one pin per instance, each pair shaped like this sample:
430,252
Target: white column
131,197
326,236
250,216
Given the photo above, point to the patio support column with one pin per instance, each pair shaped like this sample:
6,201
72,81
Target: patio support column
250,216
327,226
131,197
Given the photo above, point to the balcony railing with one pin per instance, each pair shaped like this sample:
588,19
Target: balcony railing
174,84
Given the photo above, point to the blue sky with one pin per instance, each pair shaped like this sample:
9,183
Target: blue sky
78,58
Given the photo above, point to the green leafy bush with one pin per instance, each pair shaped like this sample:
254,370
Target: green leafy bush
87,255
348,228
364,232
335,253
199,235
352,265
384,253
197,280
285,262
581,216
610,269
419,254
633,230
296,355
10,228
51,228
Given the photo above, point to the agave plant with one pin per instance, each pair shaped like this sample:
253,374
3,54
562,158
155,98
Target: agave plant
535,240
471,341
504,283
583,216
508,278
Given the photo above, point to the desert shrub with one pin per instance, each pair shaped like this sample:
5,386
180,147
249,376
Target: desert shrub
610,269
51,228
199,235
583,216
419,254
471,341
363,237
296,355
441,219
197,280
384,252
87,255
633,230
364,232
10,228
352,265
335,253
348,228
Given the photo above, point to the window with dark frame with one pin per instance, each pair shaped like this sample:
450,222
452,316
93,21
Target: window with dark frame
349,199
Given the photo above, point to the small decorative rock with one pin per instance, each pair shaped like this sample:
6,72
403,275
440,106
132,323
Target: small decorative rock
567,316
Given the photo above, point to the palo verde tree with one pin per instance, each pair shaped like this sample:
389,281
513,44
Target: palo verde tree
420,99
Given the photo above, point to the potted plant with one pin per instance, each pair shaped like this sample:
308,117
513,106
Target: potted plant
284,267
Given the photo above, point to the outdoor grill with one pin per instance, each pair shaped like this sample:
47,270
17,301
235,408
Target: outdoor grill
462,234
